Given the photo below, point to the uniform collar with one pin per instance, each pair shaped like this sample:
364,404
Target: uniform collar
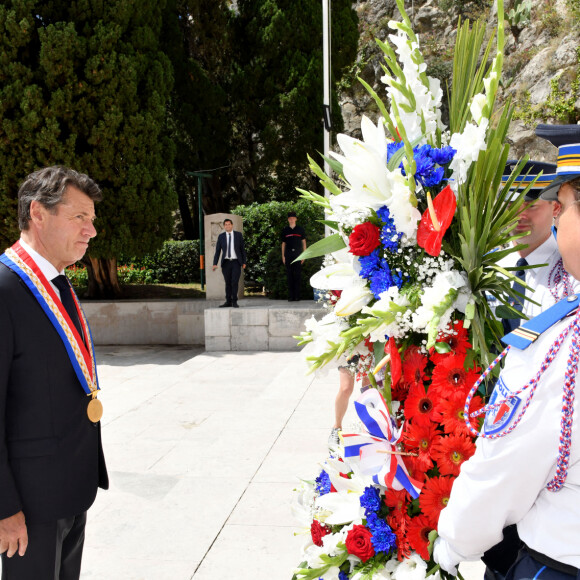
542,253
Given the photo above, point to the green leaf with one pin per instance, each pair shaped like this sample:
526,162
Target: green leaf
325,246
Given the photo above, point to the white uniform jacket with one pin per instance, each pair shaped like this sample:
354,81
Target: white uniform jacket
504,482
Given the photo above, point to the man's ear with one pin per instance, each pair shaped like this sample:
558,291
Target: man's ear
556,209
37,212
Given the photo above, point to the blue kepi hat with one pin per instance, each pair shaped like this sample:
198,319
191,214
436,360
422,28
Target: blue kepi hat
567,139
529,172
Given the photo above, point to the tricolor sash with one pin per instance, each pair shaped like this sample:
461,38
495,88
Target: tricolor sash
82,357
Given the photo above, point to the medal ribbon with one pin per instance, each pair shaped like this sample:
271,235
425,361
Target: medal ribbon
82,357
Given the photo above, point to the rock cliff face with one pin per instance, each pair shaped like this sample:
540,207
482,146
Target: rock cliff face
541,73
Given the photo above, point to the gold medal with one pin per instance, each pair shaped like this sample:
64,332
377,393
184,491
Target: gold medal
95,410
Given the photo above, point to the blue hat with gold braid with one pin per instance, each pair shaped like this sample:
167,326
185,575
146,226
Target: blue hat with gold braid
567,139
531,170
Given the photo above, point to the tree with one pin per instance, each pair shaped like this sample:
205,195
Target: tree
277,79
197,42
84,84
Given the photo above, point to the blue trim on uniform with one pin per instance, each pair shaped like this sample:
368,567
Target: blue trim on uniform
539,324
539,572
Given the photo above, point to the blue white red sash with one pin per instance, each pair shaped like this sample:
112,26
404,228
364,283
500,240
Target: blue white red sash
81,357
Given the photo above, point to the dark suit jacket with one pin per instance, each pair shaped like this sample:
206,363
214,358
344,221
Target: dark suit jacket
222,246
51,458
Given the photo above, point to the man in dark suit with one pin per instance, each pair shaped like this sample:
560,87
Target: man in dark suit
51,457
231,245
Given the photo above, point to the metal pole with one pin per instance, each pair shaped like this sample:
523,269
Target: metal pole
200,176
326,76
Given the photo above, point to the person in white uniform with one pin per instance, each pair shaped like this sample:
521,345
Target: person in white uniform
526,468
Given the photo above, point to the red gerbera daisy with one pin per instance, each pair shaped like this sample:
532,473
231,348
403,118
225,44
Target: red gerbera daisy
450,413
450,376
457,340
434,497
396,500
450,452
414,364
421,438
419,405
418,535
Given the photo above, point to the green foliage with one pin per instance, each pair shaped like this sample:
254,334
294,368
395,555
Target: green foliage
574,10
560,104
277,71
85,84
263,225
549,18
126,274
520,14
174,263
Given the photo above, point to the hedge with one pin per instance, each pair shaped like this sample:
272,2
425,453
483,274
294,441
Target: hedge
263,225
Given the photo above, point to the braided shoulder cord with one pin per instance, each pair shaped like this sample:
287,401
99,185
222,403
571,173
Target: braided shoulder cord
567,400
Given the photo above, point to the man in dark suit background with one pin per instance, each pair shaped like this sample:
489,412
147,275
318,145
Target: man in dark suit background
51,457
231,245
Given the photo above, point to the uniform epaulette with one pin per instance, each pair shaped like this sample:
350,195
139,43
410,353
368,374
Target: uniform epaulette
531,330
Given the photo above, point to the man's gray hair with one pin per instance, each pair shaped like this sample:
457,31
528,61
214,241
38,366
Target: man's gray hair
48,187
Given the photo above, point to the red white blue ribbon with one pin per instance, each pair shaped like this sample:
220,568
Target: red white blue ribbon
375,450
82,357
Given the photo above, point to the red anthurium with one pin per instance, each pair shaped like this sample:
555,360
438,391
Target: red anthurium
396,366
428,237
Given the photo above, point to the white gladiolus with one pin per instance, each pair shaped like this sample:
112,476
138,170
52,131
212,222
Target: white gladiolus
412,568
477,105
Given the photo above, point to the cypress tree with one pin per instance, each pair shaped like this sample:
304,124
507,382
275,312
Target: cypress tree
85,84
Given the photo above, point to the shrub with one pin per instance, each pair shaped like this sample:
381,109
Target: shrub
263,224
174,263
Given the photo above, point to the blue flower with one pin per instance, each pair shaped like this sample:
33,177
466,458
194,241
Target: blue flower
370,500
383,539
392,148
342,575
444,155
434,178
323,483
381,280
369,264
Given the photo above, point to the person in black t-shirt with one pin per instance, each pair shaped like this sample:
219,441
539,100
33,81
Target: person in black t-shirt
293,244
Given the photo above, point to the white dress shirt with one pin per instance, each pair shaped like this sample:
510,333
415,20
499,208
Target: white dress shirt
233,255
539,278
43,264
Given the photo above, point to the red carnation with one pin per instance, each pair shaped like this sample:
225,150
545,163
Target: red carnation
318,531
364,239
427,236
450,452
358,543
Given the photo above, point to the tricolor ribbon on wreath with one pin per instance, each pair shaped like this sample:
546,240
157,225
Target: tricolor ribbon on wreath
82,356
375,451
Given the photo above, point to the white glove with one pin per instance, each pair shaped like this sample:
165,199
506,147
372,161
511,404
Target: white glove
445,556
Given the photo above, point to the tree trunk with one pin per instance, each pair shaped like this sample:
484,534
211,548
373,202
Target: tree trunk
103,281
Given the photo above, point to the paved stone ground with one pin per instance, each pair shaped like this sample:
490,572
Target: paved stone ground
203,451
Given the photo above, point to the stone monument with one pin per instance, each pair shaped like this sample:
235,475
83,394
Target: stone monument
213,226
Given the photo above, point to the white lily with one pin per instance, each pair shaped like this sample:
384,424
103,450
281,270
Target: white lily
338,276
353,298
342,507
